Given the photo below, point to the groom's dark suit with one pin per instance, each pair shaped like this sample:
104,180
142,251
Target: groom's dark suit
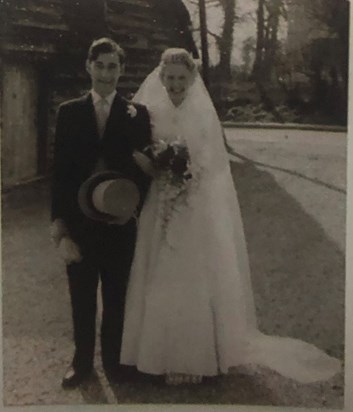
107,250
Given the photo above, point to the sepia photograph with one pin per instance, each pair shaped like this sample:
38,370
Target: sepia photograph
173,203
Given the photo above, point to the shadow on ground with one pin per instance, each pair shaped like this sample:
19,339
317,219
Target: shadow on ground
297,272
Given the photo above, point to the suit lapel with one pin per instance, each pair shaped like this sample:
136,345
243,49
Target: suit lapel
116,117
116,145
90,117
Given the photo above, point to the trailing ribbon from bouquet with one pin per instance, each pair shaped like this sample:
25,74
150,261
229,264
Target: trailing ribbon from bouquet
173,161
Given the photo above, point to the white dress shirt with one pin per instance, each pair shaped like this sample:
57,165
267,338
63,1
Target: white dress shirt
102,106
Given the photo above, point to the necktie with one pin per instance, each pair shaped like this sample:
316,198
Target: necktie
102,113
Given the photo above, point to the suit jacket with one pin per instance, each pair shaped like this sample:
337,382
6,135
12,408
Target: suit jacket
78,147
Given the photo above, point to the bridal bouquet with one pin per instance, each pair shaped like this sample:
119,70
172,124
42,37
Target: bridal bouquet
173,161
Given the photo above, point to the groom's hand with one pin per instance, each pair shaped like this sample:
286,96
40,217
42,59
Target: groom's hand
69,250
58,230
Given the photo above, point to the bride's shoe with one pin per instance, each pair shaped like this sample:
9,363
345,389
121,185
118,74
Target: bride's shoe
182,378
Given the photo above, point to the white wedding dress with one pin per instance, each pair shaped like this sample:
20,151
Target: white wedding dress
189,306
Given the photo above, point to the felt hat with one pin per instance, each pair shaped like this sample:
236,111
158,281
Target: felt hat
108,197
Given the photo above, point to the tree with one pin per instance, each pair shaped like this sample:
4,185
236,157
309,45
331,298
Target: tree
224,40
323,54
248,49
269,13
260,39
334,15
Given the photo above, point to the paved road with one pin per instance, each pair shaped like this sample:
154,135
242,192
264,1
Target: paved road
291,188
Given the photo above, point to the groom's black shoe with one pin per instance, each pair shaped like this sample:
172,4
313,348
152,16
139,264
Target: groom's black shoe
73,379
120,374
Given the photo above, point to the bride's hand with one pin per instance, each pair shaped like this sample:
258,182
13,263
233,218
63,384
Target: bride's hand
145,163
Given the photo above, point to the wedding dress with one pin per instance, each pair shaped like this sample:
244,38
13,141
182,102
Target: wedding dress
189,305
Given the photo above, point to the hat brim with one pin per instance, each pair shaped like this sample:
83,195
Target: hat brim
85,196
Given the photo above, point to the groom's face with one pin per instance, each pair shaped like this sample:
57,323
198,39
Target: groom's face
177,79
105,72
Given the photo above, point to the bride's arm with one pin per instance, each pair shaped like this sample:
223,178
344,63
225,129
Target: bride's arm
145,164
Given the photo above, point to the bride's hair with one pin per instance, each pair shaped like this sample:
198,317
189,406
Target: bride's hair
177,56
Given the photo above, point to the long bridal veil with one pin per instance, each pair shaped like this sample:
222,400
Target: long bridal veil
200,127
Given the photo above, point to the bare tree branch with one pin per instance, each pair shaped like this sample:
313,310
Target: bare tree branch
209,2
216,36
213,2
209,32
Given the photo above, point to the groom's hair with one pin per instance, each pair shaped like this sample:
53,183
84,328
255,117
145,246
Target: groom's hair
105,45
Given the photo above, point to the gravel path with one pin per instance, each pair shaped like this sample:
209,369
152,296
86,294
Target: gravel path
293,205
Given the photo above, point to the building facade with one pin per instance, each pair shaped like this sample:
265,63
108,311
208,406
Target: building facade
43,50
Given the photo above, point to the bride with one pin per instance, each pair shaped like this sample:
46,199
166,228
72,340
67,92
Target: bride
190,310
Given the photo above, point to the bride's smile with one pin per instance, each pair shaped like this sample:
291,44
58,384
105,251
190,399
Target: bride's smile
176,79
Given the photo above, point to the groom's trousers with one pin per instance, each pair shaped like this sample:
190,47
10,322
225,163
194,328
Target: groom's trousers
107,256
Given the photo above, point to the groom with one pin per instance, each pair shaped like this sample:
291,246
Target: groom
98,130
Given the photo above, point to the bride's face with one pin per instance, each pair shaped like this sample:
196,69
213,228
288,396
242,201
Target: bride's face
177,79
